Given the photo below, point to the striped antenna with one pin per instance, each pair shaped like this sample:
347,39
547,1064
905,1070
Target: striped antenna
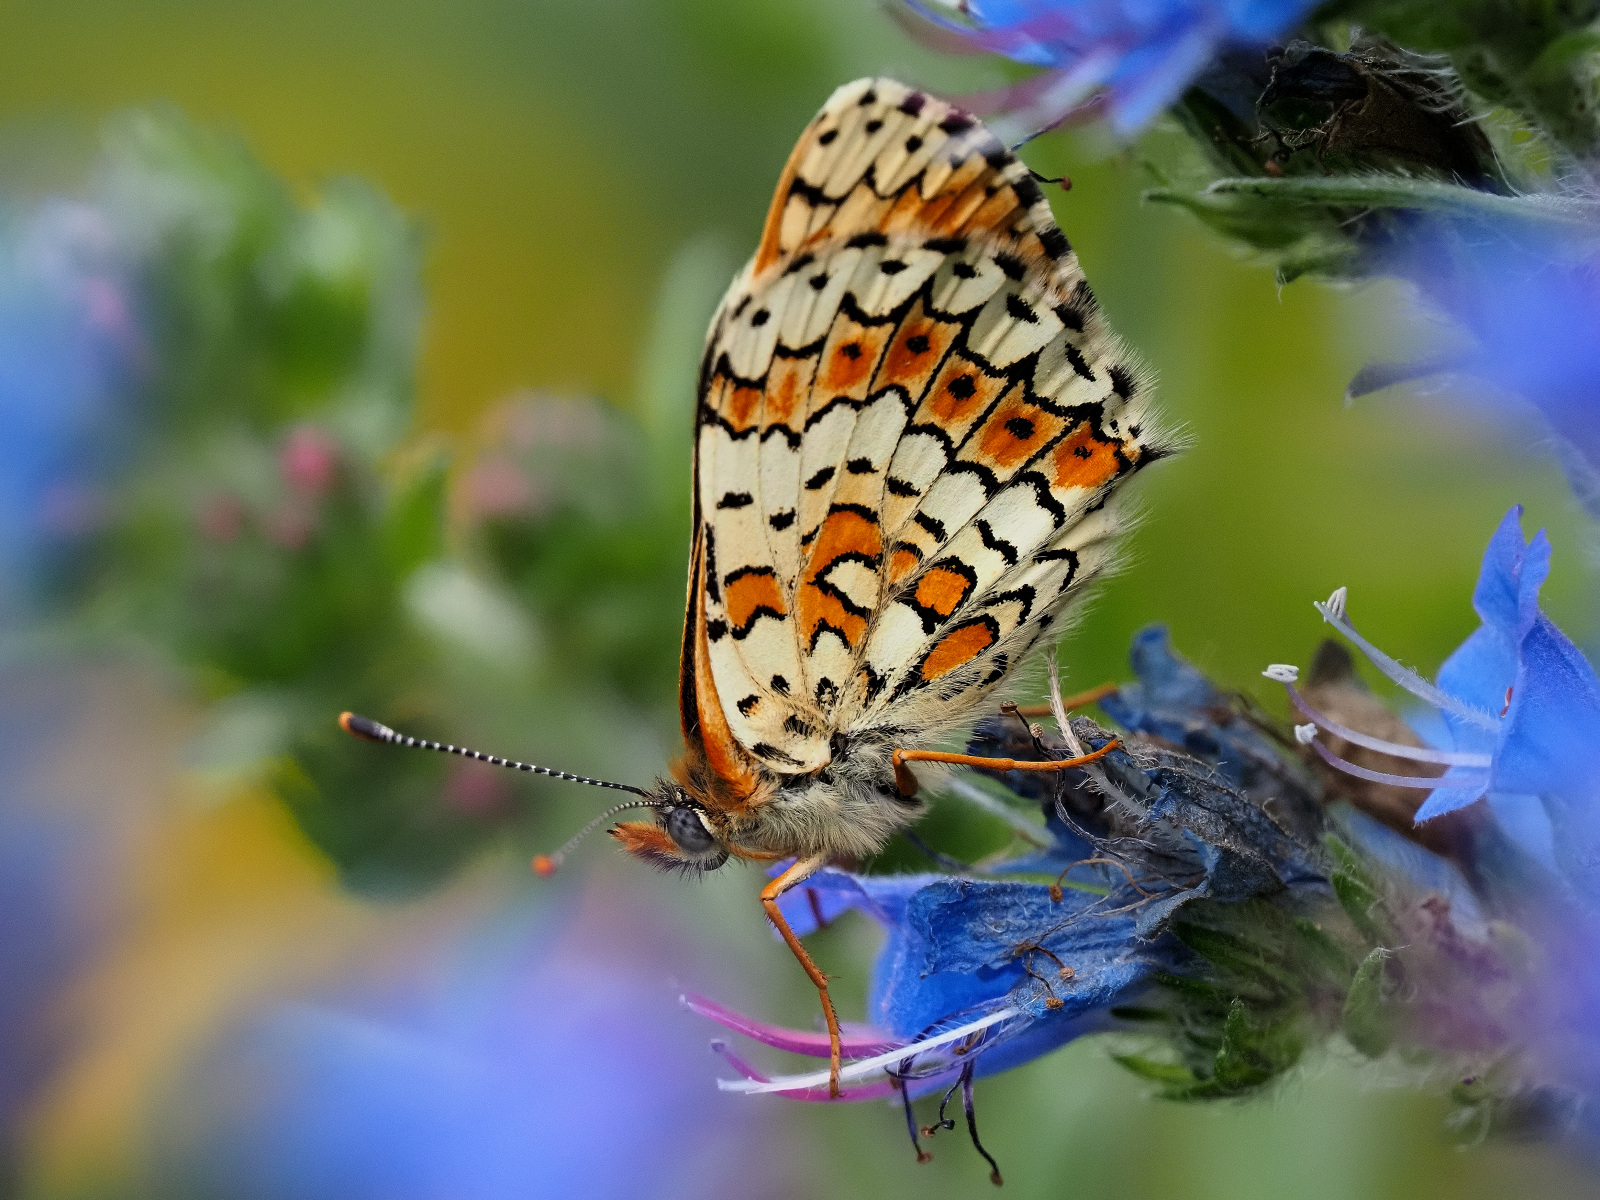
373,731
546,864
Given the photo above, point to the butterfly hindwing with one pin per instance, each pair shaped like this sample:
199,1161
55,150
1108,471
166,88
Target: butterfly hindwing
912,419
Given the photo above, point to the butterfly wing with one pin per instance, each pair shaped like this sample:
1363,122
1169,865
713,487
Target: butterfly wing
911,422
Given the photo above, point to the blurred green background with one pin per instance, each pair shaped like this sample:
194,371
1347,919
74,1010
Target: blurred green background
587,175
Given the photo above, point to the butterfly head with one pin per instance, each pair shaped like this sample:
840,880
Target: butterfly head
687,834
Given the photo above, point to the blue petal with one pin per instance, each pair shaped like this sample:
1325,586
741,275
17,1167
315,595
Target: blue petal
834,893
1165,678
1447,799
963,946
1485,665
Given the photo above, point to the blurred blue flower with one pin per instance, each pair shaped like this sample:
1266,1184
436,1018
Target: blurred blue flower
1143,53
495,1063
1528,296
66,340
1520,702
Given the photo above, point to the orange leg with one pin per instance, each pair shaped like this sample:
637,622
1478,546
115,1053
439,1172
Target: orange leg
1081,700
906,782
801,871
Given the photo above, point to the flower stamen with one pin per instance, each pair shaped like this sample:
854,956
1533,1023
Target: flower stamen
1427,783
1447,758
1333,612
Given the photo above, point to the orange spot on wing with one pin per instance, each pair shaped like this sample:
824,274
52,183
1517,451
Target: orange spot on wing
1083,460
942,590
901,563
904,213
842,533
1016,431
995,212
959,646
954,218
785,388
918,347
705,727
743,406
936,214
961,393
747,595
850,357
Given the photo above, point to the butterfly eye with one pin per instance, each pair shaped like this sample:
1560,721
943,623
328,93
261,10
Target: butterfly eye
686,828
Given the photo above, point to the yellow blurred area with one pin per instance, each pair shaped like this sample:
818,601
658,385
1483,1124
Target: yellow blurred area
212,909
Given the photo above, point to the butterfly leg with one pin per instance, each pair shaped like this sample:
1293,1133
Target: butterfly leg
1082,700
799,873
906,782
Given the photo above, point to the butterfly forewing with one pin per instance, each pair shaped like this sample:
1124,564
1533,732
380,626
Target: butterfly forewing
911,422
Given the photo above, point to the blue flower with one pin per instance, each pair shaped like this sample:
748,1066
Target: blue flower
1520,703
1143,53
987,970
1529,300
66,339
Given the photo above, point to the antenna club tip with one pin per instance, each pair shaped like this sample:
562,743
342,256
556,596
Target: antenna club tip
364,728
544,865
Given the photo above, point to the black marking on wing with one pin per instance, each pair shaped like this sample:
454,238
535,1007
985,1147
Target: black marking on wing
993,541
1020,310
1013,266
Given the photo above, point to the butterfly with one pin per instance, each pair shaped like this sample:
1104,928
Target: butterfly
912,426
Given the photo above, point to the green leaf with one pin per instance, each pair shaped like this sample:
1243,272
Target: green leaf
1319,952
1170,1075
1560,55
1359,902
1369,1018
1254,1052
1250,961
1399,191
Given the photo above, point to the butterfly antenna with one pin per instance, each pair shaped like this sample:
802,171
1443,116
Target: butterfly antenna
373,731
545,865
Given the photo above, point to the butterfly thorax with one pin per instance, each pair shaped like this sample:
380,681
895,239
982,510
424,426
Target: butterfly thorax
845,811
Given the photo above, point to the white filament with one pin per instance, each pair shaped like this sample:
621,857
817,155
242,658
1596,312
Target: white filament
1333,612
866,1066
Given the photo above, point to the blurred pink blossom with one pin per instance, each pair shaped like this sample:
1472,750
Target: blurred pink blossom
309,460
